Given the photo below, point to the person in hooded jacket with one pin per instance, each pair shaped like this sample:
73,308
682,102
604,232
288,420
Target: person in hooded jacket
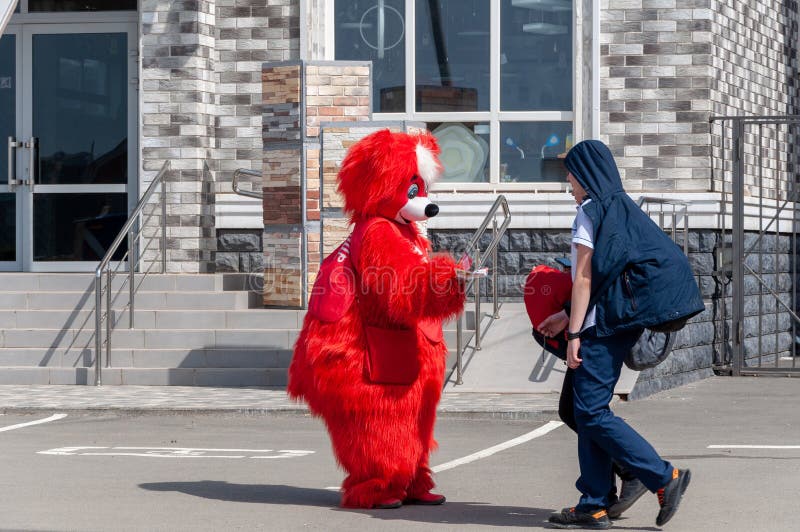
627,275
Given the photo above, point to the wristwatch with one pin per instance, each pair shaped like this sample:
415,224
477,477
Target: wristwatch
573,335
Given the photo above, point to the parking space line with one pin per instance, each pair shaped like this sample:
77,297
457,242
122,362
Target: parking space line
753,447
176,452
541,431
54,417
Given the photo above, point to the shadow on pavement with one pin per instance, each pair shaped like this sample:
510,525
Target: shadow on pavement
452,512
260,493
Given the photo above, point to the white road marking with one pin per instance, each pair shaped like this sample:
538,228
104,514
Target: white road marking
753,447
54,417
541,431
175,452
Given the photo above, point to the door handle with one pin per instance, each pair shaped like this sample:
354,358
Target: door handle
33,170
12,163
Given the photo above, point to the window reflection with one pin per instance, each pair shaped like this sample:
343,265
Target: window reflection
8,100
80,110
529,151
8,227
365,32
465,150
536,55
72,227
81,5
452,57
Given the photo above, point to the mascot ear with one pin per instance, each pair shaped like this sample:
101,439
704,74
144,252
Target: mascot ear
428,164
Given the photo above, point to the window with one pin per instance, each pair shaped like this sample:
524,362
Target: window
493,79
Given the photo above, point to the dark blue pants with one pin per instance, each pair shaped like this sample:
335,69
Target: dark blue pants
604,438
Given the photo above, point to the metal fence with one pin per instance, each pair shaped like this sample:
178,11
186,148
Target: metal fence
755,162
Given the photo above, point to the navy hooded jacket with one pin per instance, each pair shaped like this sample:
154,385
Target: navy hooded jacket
640,277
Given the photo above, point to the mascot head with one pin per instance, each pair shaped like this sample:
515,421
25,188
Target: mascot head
388,174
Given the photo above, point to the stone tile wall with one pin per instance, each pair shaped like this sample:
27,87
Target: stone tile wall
756,72
177,90
668,65
298,97
656,78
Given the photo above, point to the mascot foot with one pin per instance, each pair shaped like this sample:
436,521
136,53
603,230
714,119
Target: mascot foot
426,499
388,504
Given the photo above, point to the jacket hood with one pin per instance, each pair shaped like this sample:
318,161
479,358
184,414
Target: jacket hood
594,168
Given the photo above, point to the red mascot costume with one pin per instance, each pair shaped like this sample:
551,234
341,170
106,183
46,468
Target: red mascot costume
371,365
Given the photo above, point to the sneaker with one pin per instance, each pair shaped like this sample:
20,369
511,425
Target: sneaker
669,497
631,491
570,518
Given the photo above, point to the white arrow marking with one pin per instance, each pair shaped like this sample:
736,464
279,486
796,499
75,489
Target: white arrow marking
54,417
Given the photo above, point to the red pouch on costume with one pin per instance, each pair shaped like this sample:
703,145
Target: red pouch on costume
391,355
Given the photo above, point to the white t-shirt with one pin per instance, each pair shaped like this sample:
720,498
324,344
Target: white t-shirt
582,233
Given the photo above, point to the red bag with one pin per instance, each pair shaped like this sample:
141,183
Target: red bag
335,287
547,290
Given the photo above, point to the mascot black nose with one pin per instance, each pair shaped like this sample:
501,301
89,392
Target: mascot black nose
431,210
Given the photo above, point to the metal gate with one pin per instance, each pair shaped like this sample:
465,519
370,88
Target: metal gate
756,161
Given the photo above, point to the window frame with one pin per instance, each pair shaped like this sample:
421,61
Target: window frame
494,117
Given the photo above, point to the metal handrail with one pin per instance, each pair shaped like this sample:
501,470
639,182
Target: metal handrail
248,193
673,214
128,230
478,263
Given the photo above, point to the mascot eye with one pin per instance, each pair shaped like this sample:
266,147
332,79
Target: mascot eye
413,190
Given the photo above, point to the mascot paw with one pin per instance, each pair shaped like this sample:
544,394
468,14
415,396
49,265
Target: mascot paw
388,504
426,499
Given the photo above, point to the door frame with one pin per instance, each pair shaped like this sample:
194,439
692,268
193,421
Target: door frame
25,128
15,265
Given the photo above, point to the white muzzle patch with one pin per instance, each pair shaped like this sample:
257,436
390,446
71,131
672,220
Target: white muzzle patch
413,210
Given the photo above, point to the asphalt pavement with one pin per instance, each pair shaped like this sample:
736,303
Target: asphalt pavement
259,469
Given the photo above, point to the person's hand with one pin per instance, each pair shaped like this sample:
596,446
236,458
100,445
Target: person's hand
553,324
573,352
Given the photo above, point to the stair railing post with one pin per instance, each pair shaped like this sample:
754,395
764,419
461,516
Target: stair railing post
98,326
108,317
163,224
131,277
477,285
495,314
459,348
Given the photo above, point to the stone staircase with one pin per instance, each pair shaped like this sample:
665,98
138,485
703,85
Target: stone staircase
190,330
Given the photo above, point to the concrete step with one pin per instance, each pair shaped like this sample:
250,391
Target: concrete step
78,340
84,282
155,319
144,301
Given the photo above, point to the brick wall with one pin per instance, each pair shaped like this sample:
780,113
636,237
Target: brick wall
655,80
177,89
668,65
298,97
756,72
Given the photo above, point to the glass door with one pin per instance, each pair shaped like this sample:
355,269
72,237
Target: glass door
10,224
79,129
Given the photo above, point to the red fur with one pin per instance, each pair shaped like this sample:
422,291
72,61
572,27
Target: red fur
381,434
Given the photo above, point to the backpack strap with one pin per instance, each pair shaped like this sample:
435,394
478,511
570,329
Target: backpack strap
356,238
